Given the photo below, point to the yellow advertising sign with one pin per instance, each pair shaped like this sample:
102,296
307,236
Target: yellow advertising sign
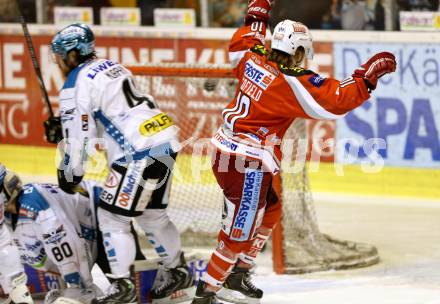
121,16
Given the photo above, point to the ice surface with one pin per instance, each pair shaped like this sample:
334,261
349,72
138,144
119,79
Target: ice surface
407,234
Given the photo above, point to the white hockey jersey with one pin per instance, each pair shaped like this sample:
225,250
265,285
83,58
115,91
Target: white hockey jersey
99,100
56,231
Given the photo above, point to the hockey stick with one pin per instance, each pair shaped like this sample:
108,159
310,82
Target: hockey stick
31,49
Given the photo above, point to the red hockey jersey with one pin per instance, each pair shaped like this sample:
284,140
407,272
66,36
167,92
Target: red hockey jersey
270,98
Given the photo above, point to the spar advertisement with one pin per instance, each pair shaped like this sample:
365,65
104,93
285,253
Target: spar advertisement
196,111
403,113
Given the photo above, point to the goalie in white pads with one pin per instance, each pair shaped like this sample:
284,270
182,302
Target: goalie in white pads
100,100
56,232
12,277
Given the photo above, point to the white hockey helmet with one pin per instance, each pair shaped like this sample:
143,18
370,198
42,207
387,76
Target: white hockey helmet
288,35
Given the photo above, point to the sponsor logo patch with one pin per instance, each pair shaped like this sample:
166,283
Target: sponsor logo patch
155,124
244,219
85,122
278,36
26,213
258,75
55,235
224,142
128,189
35,261
316,80
299,27
34,246
112,180
106,197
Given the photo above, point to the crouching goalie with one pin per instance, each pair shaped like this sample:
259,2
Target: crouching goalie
12,276
55,232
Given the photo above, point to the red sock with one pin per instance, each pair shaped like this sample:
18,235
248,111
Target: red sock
247,257
219,267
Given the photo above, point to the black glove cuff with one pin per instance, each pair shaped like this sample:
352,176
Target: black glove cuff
68,184
369,85
53,129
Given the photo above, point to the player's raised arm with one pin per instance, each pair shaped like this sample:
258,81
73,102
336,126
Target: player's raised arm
339,97
253,32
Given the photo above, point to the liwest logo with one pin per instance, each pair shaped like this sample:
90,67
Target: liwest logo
225,142
244,219
99,68
258,75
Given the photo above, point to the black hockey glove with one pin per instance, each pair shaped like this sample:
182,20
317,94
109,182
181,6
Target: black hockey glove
68,184
53,130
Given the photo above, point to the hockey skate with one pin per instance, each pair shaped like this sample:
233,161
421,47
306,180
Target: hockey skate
121,291
204,296
238,288
178,286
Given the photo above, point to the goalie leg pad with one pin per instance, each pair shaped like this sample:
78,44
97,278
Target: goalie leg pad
118,241
20,292
10,266
73,296
63,300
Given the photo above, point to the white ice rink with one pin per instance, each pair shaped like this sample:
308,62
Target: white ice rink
407,234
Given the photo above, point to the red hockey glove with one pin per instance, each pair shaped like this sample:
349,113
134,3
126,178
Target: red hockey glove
377,66
258,10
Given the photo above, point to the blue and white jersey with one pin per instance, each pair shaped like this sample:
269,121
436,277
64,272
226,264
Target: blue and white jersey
100,100
57,231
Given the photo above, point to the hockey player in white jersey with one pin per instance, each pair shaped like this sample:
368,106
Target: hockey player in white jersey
100,100
55,231
12,277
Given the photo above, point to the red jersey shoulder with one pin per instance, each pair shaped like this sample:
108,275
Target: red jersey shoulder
295,71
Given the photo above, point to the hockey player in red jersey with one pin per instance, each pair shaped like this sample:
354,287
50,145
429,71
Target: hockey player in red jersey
273,91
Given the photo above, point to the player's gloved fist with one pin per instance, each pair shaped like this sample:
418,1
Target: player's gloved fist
377,66
53,130
258,10
68,183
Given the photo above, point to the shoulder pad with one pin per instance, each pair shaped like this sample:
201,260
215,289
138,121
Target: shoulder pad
295,71
260,49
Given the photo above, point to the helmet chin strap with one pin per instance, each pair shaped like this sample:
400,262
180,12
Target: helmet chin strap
70,65
69,62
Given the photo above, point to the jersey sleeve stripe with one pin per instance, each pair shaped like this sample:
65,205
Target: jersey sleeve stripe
307,102
235,57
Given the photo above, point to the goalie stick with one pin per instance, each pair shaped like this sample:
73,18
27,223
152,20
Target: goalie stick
35,64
